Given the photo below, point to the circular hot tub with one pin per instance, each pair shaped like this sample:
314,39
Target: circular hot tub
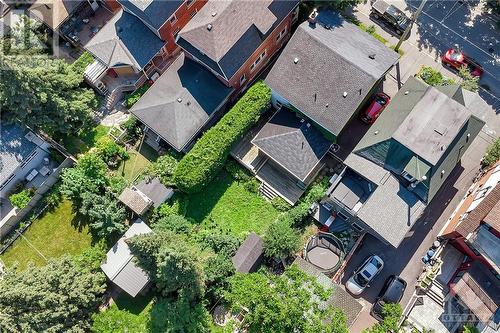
325,251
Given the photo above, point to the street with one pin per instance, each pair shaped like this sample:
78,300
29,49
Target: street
442,25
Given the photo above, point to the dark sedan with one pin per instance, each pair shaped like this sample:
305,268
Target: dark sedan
391,293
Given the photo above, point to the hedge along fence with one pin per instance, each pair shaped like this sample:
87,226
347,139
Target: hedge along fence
200,165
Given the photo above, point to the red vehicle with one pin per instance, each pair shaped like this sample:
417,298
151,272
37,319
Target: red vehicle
376,107
456,59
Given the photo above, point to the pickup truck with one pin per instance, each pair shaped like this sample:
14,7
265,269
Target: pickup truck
391,15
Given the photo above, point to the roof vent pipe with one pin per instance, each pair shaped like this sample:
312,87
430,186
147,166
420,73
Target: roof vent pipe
372,56
209,27
344,94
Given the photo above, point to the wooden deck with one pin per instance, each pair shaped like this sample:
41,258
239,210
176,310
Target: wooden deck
283,184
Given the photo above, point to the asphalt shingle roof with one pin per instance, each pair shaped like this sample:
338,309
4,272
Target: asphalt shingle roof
293,143
237,29
54,12
125,40
155,190
153,12
249,255
319,64
181,101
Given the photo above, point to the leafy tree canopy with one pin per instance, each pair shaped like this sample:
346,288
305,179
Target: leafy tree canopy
106,217
285,303
280,240
58,297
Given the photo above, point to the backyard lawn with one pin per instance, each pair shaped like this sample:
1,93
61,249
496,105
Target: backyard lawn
80,144
53,235
225,205
137,162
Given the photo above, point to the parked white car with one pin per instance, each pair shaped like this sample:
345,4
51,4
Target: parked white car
364,274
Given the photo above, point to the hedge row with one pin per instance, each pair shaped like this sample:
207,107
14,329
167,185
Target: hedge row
199,166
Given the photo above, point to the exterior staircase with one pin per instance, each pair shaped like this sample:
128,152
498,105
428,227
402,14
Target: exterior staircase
267,192
111,98
437,292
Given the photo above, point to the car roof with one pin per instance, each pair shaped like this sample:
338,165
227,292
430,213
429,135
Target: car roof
394,290
370,266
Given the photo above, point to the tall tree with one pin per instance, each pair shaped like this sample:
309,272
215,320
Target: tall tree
281,240
58,297
45,93
286,303
106,217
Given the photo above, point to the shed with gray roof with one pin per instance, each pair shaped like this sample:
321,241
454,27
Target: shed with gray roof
125,41
119,265
249,255
181,102
326,76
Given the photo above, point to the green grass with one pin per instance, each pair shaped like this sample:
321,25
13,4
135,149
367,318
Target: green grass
82,143
371,30
137,162
128,314
226,206
54,234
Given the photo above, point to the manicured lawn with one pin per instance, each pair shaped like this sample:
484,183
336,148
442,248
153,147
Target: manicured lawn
137,162
54,234
80,144
225,205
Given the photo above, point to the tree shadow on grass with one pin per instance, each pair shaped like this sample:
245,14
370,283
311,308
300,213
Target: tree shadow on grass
134,305
201,204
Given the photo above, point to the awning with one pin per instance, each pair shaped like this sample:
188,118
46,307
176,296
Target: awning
474,297
94,71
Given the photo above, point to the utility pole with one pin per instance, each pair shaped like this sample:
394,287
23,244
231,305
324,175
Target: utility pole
407,30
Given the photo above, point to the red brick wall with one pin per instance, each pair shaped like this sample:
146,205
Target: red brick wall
183,15
271,45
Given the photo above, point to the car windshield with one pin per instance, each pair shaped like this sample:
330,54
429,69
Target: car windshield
455,56
398,15
375,262
360,280
380,100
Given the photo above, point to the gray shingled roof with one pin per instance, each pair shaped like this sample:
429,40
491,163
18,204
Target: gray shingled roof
319,64
119,266
238,28
14,149
125,40
155,190
391,210
339,299
181,101
249,255
293,143
153,12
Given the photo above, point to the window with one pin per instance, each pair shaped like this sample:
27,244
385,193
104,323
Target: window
343,216
173,19
257,61
482,193
176,32
281,34
243,78
193,13
279,105
357,227
189,2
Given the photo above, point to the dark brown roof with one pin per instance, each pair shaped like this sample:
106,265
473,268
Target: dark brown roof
487,210
249,256
479,290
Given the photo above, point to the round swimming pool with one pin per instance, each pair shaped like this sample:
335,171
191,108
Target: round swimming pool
325,251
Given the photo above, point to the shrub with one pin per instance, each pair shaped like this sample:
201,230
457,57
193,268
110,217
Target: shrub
236,171
164,168
469,82
430,76
131,126
492,154
175,206
133,97
252,185
209,154
117,183
54,197
110,151
280,204
175,223
219,243
21,199
82,62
